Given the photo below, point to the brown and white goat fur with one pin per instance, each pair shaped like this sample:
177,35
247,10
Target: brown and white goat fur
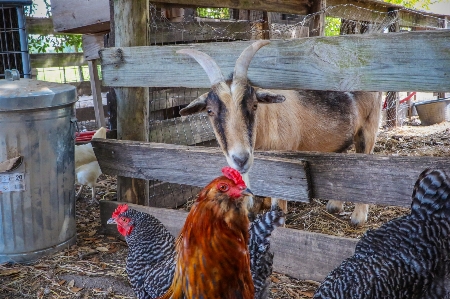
245,118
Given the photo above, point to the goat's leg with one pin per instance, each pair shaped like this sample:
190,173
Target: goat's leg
335,206
359,215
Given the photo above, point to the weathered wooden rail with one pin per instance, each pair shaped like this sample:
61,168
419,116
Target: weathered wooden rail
295,176
374,62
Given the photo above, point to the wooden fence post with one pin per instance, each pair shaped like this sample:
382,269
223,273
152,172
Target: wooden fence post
131,29
392,96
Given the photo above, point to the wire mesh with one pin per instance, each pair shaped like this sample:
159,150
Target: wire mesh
180,26
13,45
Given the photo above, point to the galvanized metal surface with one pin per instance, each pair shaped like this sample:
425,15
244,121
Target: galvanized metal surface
39,216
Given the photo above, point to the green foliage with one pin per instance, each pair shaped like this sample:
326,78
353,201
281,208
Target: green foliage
55,43
213,13
51,43
332,26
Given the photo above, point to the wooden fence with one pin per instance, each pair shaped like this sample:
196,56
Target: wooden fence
378,62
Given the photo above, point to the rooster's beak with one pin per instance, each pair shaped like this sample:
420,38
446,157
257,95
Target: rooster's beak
247,192
111,221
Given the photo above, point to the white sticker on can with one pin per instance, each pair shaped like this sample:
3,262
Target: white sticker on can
12,182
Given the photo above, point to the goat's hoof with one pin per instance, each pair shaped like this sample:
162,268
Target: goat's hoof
335,206
358,218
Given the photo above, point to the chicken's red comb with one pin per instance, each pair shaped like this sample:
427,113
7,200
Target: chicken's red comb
119,210
233,175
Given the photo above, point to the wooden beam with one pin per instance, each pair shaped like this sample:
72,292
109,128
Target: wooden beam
288,178
297,253
316,12
132,103
41,26
45,60
88,113
386,180
193,32
82,16
96,94
92,43
373,62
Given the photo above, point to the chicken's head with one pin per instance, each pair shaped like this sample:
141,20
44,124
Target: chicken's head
124,223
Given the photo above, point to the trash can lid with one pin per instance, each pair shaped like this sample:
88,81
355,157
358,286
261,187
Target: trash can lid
33,94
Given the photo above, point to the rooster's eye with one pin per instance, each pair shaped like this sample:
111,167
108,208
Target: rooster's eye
124,219
223,187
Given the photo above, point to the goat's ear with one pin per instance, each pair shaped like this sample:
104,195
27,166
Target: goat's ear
265,96
196,106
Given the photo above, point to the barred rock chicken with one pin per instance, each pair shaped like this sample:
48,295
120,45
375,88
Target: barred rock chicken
151,251
151,256
408,257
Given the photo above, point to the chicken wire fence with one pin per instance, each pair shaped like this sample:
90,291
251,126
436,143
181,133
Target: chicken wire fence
179,26
13,40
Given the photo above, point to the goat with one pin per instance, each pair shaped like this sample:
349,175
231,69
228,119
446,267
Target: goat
243,119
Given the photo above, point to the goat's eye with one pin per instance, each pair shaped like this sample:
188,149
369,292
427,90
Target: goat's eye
210,112
223,187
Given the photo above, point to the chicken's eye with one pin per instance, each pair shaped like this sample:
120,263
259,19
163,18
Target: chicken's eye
223,187
124,219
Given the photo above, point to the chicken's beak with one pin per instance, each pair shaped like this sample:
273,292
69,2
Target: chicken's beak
111,221
247,192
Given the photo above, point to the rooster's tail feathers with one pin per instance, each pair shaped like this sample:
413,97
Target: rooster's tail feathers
431,195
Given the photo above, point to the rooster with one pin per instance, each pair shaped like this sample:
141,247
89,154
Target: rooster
407,257
151,256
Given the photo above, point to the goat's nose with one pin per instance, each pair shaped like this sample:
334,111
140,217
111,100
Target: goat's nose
240,160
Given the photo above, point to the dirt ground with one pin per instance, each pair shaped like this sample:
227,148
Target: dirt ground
95,266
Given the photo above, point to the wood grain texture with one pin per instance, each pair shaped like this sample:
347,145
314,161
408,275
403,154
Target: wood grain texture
81,16
92,43
96,94
131,29
197,166
297,253
402,61
45,60
385,180
42,26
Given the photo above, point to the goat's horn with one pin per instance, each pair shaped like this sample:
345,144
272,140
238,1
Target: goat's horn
243,62
207,63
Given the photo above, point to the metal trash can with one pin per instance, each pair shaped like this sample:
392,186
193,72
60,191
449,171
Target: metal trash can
37,198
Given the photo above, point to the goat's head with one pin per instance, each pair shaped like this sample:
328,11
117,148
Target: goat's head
232,105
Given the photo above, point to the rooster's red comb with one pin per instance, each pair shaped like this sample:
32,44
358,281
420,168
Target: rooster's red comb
119,210
233,175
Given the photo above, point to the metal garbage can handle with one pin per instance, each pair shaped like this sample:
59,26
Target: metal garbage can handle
12,75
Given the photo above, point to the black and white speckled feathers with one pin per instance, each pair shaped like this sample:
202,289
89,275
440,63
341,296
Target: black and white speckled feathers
151,255
261,259
408,257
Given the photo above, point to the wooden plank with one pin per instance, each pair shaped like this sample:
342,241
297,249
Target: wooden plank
189,130
386,180
92,43
372,62
82,16
45,60
88,113
164,33
96,94
132,103
297,253
168,195
375,179
274,177
41,26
